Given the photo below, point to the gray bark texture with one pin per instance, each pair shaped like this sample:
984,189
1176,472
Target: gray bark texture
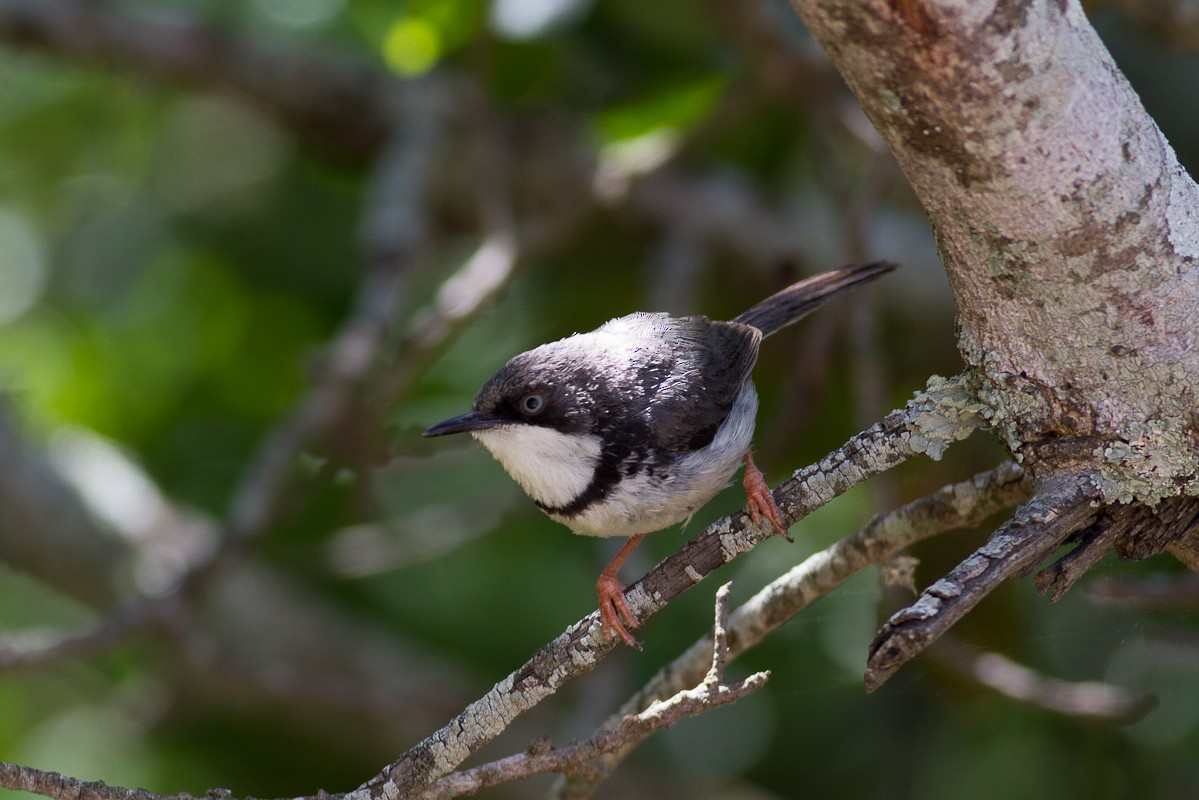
1069,232
1067,227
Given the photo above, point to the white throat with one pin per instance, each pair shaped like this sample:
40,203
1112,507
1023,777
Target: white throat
552,467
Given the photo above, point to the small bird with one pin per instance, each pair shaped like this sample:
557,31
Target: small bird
632,427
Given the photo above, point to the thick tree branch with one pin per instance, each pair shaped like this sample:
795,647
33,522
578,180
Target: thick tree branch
1043,177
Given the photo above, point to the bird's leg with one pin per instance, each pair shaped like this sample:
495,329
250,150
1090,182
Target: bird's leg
612,605
760,501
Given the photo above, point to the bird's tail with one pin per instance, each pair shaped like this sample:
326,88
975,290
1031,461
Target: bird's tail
792,303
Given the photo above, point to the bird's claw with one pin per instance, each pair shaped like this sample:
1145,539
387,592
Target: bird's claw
613,609
760,500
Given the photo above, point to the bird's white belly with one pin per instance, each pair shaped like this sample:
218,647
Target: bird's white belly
643,503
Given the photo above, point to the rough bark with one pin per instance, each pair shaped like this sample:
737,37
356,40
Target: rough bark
1069,232
1067,227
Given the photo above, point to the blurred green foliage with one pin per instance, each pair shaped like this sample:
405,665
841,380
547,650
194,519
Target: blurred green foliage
172,260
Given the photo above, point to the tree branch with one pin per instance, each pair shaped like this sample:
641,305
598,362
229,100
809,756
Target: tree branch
633,729
1061,506
1134,530
930,422
960,505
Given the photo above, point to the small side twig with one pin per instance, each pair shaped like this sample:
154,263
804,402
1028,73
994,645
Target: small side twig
1134,530
1061,506
579,758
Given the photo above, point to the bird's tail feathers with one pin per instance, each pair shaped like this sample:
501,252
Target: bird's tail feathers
794,302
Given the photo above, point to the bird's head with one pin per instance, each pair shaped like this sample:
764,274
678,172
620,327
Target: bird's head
537,416
547,387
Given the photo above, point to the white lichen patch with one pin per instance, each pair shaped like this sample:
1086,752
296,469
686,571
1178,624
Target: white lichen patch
1150,461
734,543
946,412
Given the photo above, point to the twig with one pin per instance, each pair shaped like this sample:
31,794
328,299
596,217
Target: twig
633,729
959,505
1136,531
1061,506
51,784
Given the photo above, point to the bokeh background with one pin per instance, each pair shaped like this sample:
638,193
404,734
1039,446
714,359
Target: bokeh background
210,300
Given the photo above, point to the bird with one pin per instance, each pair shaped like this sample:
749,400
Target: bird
632,427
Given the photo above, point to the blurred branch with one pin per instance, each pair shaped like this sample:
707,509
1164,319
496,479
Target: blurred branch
470,288
1158,592
254,637
1085,699
393,231
633,729
1175,22
1061,506
730,216
47,531
113,630
338,105
783,58
960,505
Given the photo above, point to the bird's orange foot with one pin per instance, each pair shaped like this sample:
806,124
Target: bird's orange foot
613,609
760,500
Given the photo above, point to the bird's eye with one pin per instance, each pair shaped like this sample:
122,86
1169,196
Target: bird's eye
532,404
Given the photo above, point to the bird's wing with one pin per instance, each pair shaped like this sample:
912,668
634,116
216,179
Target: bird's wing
703,366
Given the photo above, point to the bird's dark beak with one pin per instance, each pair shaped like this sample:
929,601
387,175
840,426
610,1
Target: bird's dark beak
463,423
